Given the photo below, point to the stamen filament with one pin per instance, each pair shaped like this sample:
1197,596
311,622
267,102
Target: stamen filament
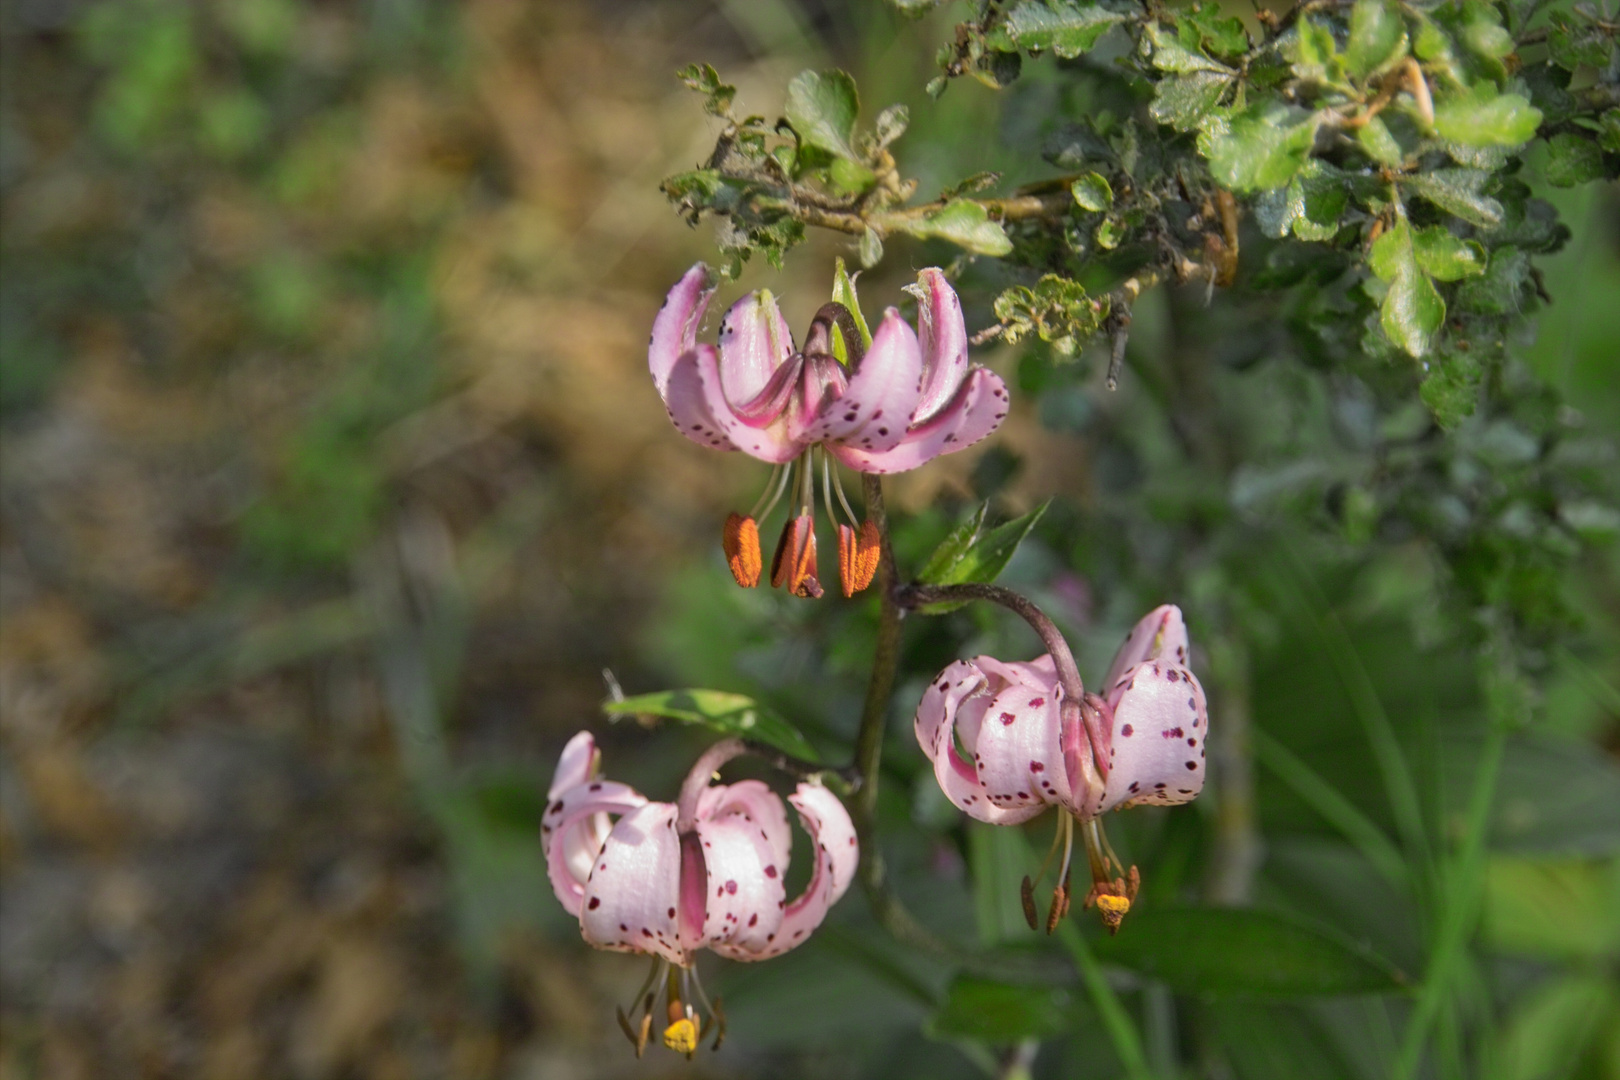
838,486
777,485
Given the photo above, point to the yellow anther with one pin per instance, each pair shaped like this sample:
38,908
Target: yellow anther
1112,909
682,1036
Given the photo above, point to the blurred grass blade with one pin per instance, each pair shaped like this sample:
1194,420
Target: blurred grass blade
719,711
1232,952
1002,1013
1326,800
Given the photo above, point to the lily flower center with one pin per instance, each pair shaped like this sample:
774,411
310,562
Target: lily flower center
815,373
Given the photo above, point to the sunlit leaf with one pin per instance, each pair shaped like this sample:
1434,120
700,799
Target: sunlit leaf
721,712
975,556
964,223
1066,27
822,107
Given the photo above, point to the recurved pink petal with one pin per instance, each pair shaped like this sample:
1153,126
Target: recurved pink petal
575,766
754,342
743,902
943,336
832,838
632,901
688,405
758,804
572,831
873,412
1019,750
675,329
1160,635
975,411
1156,749
953,706
754,436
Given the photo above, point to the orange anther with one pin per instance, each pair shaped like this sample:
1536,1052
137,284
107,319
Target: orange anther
857,557
741,542
794,565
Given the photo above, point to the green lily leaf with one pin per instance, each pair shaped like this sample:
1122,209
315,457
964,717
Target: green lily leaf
843,292
822,107
1001,1013
1233,952
719,711
968,555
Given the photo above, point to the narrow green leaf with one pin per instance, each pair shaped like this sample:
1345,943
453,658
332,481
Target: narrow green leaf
1260,149
1447,257
719,711
964,223
1377,37
1002,1013
843,291
1484,118
1066,27
954,547
1233,952
822,107
1092,192
982,559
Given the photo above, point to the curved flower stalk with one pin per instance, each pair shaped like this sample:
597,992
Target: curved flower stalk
904,398
705,872
1006,746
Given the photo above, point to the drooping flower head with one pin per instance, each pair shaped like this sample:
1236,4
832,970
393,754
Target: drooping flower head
1022,751
879,403
707,872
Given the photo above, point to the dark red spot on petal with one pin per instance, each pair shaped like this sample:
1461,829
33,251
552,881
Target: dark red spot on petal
731,887
1007,718
1127,731
1036,766
595,903
1036,703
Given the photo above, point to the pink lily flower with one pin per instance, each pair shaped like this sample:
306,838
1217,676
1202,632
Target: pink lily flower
902,400
1141,744
668,879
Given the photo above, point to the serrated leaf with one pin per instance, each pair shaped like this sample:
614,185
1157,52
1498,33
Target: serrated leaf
705,80
1183,101
1169,54
981,559
1066,27
1377,37
1243,953
822,107
964,223
1092,192
1484,118
1573,159
890,124
1380,145
1457,191
719,711
1219,33
1412,309
1574,41
1002,1013
1451,389
1259,149
1446,257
